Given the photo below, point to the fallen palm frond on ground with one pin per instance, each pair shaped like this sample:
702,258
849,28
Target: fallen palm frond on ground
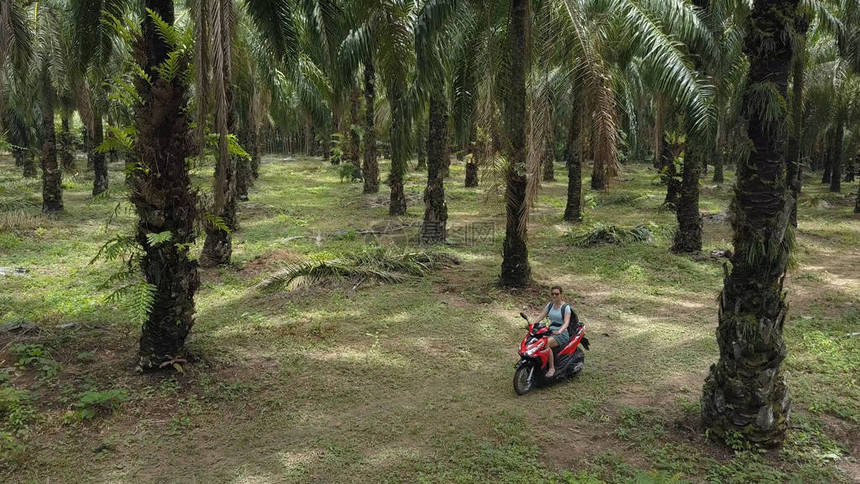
20,220
376,265
611,234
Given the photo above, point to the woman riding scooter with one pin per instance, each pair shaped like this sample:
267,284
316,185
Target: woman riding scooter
559,314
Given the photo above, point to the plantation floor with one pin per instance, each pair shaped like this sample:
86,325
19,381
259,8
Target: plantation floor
410,382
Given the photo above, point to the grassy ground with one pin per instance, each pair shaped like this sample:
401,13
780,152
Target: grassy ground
410,382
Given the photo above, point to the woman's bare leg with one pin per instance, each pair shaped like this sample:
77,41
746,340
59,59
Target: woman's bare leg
552,344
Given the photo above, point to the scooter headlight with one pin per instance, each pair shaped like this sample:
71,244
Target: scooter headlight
535,349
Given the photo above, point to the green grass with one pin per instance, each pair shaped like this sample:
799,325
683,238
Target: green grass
410,382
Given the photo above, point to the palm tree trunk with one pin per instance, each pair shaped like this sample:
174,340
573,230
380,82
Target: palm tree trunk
793,147
163,199
421,142
599,181
475,152
309,138
670,176
658,138
836,169
688,238
244,177
745,392
101,180
253,140
719,153
52,177
850,168
218,247
29,163
354,147
828,157
548,162
371,165
516,271
434,230
857,201
67,155
254,146
573,209
18,154
399,132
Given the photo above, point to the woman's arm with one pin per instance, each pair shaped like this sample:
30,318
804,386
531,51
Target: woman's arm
566,321
542,315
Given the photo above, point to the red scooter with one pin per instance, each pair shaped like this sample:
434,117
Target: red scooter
534,356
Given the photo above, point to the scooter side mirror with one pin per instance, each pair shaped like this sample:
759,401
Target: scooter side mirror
523,315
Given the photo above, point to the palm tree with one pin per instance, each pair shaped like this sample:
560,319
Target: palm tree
745,392
215,31
161,187
832,90
52,46
390,25
16,47
433,48
19,121
516,271
95,55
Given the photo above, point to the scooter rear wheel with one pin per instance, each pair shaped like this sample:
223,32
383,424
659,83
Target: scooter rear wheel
524,379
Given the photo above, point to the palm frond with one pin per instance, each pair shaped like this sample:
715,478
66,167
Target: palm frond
611,234
375,265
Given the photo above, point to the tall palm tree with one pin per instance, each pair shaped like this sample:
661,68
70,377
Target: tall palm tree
516,271
161,187
51,74
434,24
745,391
215,33
19,121
97,53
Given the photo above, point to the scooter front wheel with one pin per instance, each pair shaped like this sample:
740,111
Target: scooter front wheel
524,379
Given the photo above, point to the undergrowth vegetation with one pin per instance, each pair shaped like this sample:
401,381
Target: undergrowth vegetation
408,381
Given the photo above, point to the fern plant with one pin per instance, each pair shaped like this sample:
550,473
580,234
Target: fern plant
130,288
